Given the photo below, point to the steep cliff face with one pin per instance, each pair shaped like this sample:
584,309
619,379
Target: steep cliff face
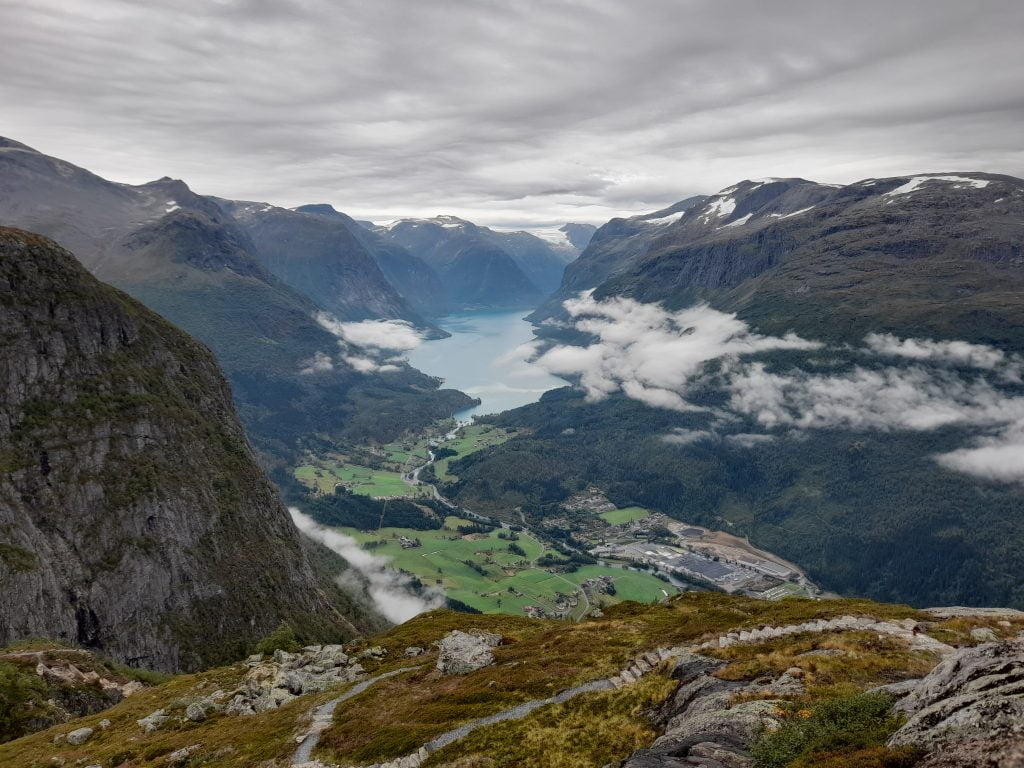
133,518
411,277
476,268
611,250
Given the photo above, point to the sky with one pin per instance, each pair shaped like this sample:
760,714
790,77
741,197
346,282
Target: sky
512,113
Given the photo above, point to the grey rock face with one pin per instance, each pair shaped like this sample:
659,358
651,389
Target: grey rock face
974,696
132,503
462,652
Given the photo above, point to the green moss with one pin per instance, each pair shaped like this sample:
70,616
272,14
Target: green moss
846,724
18,559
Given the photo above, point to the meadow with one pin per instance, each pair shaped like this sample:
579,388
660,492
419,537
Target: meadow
327,472
509,581
624,515
470,439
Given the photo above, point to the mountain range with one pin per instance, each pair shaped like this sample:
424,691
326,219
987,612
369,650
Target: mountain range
934,254
191,260
834,373
483,268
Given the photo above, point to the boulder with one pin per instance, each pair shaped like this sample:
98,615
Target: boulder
984,635
152,721
178,757
195,712
79,736
690,665
414,650
463,652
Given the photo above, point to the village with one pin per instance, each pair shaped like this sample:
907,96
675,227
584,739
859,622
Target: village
690,555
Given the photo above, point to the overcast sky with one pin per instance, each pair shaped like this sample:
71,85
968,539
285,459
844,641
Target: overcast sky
512,112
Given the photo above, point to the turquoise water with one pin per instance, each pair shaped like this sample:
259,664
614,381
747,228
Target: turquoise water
485,357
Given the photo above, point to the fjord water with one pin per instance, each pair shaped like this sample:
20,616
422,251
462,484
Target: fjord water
485,357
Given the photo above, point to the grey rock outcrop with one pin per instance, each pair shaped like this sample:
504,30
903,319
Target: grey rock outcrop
178,757
703,727
975,697
268,685
463,652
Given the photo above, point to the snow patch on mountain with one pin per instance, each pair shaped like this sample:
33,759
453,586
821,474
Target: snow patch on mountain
720,207
663,220
738,222
959,182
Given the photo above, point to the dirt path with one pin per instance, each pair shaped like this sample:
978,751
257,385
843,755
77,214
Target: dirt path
323,715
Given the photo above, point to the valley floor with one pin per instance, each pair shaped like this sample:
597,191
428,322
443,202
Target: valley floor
630,554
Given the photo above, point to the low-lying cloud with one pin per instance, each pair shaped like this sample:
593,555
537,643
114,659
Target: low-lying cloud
390,335
367,346
888,399
320,362
390,591
999,457
654,355
958,353
650,353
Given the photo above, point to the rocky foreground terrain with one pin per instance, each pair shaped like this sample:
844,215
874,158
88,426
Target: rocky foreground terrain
705,680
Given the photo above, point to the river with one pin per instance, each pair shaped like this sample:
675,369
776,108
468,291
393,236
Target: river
485,357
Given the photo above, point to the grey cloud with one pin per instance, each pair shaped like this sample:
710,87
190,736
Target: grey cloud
512,113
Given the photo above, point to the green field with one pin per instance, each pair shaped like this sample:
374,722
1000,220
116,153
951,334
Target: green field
473,438
441,562
407,453
326,473
624,515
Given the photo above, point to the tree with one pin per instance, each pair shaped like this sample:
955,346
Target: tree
281,639
22,700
